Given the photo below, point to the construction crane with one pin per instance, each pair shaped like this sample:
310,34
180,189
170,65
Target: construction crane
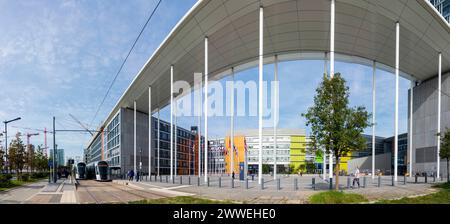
40,130
81,124
28,139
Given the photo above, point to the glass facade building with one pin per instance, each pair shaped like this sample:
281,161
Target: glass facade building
216,163
116,144
443,6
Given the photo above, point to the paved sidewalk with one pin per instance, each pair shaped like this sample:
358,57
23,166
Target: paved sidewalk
21,194
221,188
55,193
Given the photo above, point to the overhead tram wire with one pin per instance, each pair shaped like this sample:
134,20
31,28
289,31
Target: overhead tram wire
124,61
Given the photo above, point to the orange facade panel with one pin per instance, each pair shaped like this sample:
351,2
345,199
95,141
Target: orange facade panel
239,154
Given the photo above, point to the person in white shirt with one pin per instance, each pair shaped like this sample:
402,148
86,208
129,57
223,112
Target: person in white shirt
356,179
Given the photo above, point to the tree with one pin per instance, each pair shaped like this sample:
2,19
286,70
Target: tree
41,161
30,158
310,167
444,153
265,168
17,155
335,126
2,155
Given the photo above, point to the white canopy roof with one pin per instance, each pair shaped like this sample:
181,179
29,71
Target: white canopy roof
293,29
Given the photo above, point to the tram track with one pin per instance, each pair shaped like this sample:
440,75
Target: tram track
106,192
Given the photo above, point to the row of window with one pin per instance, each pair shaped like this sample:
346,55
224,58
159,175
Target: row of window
268,159
269,152
279,146
113,139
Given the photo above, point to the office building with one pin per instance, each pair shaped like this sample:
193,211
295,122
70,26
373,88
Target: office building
443,7
116,145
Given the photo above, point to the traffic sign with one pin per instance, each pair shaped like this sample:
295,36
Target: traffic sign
50,163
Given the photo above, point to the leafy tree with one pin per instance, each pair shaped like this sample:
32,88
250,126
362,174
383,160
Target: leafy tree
41,159
2,155
302,168
444,153
310,167
265,168
30,158
17,155
335,126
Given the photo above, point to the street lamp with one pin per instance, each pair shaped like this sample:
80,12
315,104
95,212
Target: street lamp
140,163
6,142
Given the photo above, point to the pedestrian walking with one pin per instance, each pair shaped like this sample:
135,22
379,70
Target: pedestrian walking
232,175
356,179
137,176
130,175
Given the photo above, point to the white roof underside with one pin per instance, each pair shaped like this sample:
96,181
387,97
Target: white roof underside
293,29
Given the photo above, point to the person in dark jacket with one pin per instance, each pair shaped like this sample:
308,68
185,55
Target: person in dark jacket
137,176
130,175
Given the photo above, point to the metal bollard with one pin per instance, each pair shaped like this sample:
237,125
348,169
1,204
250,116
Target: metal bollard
364,182
295,184
313,183
220,182
379,181
167,179
189,180
262,183
246,183
404,179
415,179
253,177
181,180
331,183
278,184
426,178
348,182
393,181
198,181
207,181
232,183
146,178
434,178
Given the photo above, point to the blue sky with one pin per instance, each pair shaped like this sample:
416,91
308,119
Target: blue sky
59,57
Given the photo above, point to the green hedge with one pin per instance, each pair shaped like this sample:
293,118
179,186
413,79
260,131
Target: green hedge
5,180
25,177
39,175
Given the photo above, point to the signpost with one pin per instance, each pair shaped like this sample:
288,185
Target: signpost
50,165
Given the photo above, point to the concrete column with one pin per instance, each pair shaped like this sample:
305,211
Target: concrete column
438,159
373,118
150,131
171,122
261,55
410,134
324,156
158,141
134,135
332,24
275,120
232,125
206,109
199,124
175,140
397,62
